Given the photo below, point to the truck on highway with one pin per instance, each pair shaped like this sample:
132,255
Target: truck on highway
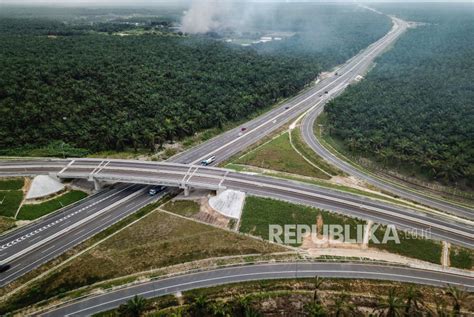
208,161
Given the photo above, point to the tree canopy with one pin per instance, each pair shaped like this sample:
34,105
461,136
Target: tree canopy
67,85
416,107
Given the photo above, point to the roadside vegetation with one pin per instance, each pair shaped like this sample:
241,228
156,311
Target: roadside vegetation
410,245
308,153
11,195
277,158
462,258
12,184
198,82
6,224
259,213
37,210
10,201
280,156
413,112
305,297
159,240
186,208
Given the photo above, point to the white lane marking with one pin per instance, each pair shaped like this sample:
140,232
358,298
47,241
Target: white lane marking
186,174
223,178
364,58
66,167
75,225
46,250
35,232
95,168
191,175
256,274
104,225
101,168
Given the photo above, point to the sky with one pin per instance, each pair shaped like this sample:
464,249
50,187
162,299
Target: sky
144,2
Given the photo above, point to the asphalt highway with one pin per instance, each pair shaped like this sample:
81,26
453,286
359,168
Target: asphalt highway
313,99
438,226
309,136
234,141
223,146
110,300
45,248
28,247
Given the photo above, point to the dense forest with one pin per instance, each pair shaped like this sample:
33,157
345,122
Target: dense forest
83,88
415,109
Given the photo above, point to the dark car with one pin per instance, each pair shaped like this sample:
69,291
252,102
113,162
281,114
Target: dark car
287,107
4,267
243,129
326,92
155,190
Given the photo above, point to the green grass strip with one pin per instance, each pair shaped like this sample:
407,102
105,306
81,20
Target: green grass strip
12,184
34,211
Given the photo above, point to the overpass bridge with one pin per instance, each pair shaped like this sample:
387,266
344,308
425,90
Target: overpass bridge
185,176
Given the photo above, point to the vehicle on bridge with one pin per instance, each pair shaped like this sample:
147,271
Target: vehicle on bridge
208,161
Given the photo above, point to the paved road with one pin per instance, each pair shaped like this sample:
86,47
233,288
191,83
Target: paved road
234,141
309,136
107,301
28,247
439,225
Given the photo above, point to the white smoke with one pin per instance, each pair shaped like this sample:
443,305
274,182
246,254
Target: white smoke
203,16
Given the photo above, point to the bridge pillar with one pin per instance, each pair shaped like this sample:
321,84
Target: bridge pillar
97,184
186,191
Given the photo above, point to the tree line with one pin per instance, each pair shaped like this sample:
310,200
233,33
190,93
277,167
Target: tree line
415,110
87,91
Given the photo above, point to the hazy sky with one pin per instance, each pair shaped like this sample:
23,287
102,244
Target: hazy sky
144,2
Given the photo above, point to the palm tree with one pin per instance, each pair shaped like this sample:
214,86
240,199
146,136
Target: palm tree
177,313
317,283
220,309
251,312
458,296
440,309
414,298
200,306
315,310
241,305
343,307
134,307
392,306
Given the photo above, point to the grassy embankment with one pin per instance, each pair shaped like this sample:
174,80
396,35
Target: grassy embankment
159,240
278,155
462,258
279,159
186,208
34,211
11,196
259,213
